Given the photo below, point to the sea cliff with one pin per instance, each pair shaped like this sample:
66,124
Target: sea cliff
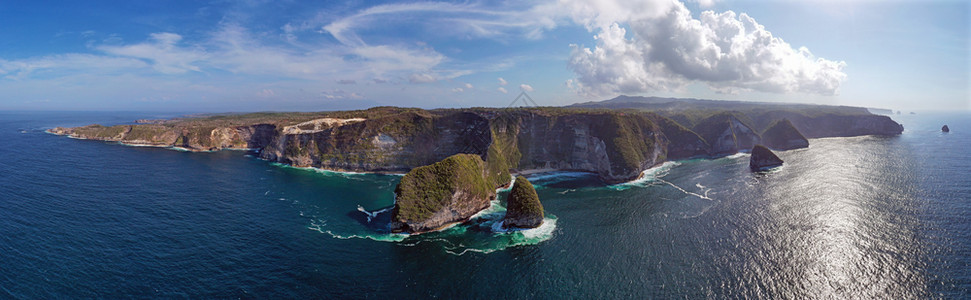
615,144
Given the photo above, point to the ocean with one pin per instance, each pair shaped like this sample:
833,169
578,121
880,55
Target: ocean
858,217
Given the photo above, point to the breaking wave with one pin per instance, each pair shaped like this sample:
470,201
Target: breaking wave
483,233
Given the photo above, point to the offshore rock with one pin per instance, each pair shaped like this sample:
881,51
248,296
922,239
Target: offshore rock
435,196
523,209
763,159
945,129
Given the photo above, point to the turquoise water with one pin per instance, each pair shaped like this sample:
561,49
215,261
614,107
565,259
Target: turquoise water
862,217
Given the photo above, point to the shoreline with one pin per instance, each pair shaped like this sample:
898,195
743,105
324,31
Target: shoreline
527,172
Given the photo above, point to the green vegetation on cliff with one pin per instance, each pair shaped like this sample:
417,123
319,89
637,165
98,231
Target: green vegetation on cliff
783,135
626,136
713,126
503,153
428,189
523,208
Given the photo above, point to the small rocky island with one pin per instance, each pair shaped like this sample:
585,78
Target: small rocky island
523,209
436,196
945,129
763,159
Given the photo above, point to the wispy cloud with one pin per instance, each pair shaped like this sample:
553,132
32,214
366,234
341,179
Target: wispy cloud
163,52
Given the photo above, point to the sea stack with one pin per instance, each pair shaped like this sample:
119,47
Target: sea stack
435,196
763,159
523,209
945,129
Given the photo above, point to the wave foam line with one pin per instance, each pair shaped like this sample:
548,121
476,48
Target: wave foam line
348,174
647,176
511,238
556,175
705,196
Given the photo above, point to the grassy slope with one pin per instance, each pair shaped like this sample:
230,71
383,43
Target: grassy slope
427,189
523,199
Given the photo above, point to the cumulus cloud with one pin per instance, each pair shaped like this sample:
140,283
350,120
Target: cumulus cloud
502,81
526,87
503,90
468,86
729,52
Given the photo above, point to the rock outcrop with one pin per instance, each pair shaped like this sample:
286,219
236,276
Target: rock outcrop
523,209
782,135
432,197
763,159
727,134
945,129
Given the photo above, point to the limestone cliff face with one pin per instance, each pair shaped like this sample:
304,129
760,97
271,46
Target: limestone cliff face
617,147
681,142
836,125
782,135
199,138
396,142
726,134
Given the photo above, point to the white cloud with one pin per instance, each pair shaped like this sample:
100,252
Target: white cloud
457,90
445,18
421,78
468,86
727,51
86,63
340,94
704,3
503,90
502,81
526,87
265,93
162,51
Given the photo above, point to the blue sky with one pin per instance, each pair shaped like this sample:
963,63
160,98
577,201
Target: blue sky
323,55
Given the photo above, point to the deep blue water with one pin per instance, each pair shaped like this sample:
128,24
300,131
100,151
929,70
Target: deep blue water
862,217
